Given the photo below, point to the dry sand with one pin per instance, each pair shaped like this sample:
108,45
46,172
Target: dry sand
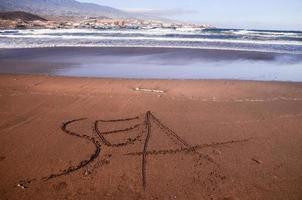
201,140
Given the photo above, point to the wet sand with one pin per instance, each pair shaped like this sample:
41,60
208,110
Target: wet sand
152,63
86,138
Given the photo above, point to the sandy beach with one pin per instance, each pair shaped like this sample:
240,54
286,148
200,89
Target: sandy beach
90,138
150,100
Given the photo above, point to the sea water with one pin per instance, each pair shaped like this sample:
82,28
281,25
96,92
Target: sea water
155,53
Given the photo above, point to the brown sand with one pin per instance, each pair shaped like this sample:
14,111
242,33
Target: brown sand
201,140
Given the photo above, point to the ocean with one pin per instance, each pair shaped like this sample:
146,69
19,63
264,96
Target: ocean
222,39
264,55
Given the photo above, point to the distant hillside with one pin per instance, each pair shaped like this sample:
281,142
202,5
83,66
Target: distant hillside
62,8
20,15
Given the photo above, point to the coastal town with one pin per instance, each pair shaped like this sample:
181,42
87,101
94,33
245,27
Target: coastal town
26,20
130,24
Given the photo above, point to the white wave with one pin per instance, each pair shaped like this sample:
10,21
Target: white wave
47,45
240,32
150,32
157,31
174,39
265,33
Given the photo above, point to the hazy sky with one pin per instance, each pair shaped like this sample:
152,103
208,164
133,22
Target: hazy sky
258,14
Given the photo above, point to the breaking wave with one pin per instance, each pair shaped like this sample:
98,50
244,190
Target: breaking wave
227,39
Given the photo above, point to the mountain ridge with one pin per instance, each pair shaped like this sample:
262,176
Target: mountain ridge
62,8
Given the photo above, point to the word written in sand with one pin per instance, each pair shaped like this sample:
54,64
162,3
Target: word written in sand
143,128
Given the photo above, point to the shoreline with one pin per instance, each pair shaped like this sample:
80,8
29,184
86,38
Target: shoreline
145,79
152,63
157,47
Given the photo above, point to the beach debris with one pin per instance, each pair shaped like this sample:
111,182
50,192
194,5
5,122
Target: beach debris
148,90
21,186
257,160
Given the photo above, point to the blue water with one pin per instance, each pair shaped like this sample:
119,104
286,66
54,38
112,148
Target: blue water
223,39
155,53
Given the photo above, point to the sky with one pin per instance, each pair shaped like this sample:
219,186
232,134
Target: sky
248,14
